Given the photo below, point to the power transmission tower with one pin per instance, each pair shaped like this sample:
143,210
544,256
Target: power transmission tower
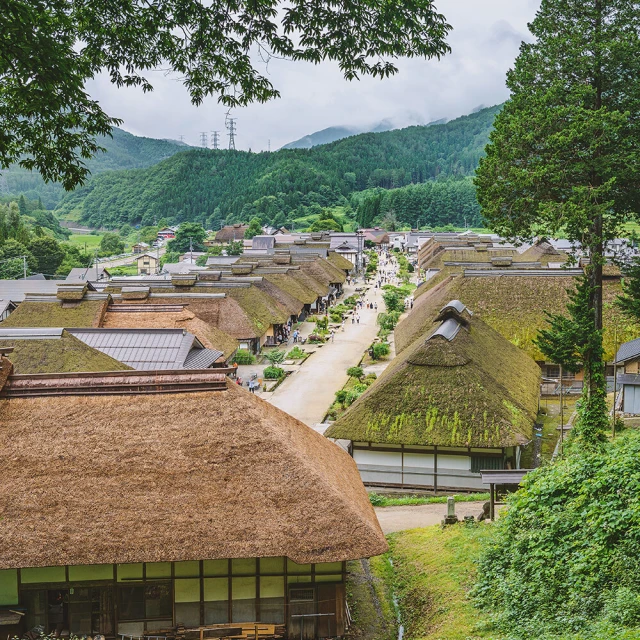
215,137
181,138
203,139
269,145
231,127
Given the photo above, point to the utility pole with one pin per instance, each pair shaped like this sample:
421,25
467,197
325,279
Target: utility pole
24,266
203,139
215,139
191,249
231,128
561,415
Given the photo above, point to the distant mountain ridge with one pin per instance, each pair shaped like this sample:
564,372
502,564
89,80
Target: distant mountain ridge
123,151
211,186
333,134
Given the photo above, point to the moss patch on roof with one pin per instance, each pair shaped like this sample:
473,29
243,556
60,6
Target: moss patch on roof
475,390
64,355
283,295
515,306
338,261
87,313
300,287
323,271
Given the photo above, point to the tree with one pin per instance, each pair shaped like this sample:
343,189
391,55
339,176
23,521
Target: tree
12,263
325,224
189,234
111,244
563,155
48,254
629,301
380,350
341,397
125,230
393,300
254,229
355,372
51,48
235,248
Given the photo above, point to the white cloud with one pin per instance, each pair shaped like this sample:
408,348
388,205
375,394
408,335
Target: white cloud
485,40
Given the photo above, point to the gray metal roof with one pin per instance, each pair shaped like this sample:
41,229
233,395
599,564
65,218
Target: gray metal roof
5,304
15,290
31,333
629,378
263,242
455,304
628,351
503,476
149,349
546,273
448,329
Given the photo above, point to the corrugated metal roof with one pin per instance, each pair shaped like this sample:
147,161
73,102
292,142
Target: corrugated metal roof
147,349
628,350
202,358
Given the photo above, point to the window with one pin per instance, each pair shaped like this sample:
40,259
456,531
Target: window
480,463
142,602
243,599
216,600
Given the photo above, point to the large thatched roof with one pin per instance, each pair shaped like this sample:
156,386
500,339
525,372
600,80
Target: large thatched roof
61,354
513,305
340,262
296,283
459,384
323,271
58,313
172,476
210,336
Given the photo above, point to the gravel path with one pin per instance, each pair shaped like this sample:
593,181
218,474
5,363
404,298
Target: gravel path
393,519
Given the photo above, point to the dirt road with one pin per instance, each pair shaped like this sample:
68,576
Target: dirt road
393,519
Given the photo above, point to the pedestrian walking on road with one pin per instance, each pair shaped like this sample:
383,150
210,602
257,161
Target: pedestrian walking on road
358,319
375,306
353,319
332,335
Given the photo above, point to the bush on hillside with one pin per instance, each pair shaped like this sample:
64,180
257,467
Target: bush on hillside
380,350
566,556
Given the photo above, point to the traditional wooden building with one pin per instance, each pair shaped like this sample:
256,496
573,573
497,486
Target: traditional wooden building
171,504
458,399
628,377
147,264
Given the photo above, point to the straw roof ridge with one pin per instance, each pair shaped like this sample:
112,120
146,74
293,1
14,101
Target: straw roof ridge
180,476
297,287
284,297
338,261
476,390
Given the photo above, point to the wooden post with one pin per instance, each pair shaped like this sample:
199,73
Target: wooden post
435,469
492,502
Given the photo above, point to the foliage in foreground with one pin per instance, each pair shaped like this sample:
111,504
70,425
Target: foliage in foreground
566,557
378,500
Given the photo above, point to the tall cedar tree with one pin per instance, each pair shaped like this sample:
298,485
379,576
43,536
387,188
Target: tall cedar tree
564,155
50,48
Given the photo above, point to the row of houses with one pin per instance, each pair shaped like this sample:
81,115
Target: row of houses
146,494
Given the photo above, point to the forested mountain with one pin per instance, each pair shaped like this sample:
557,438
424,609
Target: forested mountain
210,186
123,151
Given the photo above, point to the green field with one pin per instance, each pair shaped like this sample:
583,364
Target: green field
82,240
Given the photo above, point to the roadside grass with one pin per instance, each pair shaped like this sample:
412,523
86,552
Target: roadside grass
434,568
378,500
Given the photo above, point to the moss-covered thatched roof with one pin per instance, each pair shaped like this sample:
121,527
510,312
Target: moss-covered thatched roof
515,306
338,261
474,390
86,313
66,354
283,295
323,271
299,287
542,251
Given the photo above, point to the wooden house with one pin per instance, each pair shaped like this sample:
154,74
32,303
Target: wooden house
147,264
171,504
140,247
167,233
628,377
458,399
231,233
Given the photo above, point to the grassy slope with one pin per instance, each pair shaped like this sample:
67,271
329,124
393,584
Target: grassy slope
434,569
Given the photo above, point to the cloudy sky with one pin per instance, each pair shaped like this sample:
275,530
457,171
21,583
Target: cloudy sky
485,40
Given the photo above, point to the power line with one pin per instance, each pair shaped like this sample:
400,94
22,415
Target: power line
230,123
203,139
215,137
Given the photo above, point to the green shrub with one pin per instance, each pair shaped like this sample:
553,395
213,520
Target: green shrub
275,356
273,373
380,350
369,379
315,338
296,353
244,356
566,555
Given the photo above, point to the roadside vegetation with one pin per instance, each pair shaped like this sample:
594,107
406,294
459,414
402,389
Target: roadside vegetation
378,500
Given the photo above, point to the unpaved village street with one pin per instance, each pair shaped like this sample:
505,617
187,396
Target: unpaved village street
394,519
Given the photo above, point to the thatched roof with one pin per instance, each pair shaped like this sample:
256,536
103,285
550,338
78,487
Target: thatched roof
338,261
57,355
297,286
58,313
543,251
211,336
513,305
323,271
231,232
459,384
174,476
282,295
